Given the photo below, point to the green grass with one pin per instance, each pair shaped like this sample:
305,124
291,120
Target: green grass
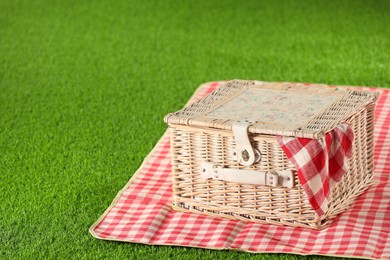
84,86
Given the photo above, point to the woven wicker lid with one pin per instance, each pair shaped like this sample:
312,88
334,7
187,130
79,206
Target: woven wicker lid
275,108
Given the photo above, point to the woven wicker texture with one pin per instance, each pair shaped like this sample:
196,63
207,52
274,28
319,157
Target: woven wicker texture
196,138
348,102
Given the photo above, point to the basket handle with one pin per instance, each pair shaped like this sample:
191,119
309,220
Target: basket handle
283,178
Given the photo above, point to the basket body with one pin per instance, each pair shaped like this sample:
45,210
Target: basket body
191,145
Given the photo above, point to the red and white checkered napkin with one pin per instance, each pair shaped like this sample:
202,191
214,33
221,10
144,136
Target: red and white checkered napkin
142,212
320,163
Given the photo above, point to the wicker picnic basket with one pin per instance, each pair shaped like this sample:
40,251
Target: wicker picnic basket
232,131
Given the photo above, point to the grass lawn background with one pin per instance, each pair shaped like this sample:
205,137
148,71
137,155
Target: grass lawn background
84,86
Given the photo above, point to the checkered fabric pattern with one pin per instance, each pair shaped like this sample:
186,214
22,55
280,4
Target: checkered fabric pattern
142,213
320,163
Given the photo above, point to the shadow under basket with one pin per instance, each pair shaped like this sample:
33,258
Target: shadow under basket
205,138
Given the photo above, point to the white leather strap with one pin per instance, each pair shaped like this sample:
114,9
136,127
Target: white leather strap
278,178
244,152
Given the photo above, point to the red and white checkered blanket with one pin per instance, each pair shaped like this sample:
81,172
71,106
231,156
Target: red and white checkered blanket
320,163
142,212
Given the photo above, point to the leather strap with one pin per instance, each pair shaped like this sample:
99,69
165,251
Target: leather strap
277,178
244,153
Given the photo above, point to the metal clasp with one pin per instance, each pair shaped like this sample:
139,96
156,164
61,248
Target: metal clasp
244,153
